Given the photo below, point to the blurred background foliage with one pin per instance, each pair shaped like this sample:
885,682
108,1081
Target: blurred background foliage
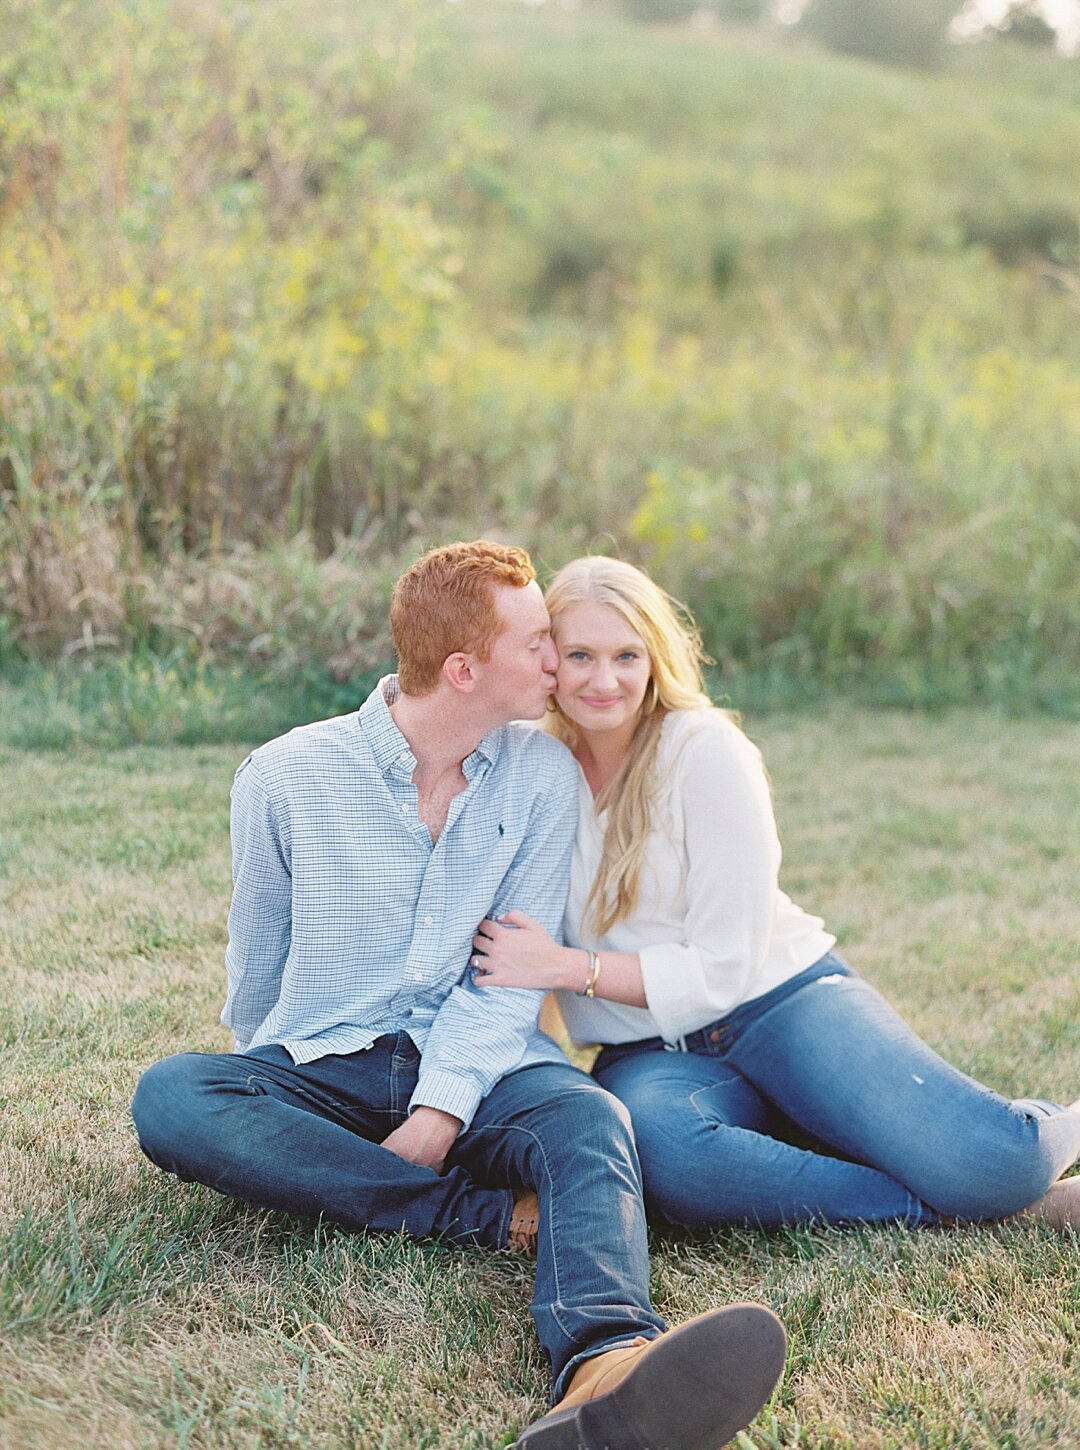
786,313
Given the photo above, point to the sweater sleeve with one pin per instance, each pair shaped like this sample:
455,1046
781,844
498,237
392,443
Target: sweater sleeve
731,865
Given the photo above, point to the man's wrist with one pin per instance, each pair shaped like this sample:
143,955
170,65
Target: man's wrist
435,1119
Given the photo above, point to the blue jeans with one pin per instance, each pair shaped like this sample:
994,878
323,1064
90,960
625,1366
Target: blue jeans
304,1139
817,1103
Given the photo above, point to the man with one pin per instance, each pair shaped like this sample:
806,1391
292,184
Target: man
374,1083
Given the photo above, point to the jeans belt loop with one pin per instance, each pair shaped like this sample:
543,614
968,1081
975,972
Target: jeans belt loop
679,1045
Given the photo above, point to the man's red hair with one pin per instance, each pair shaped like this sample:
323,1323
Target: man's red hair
445,603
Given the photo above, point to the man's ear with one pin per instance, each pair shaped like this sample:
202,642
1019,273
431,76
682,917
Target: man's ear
461,672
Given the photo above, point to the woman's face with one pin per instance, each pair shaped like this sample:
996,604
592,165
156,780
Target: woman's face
603,669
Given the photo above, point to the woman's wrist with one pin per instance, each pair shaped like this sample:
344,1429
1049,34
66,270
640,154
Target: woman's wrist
575,967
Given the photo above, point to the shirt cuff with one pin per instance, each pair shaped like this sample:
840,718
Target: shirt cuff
673,975
450,1092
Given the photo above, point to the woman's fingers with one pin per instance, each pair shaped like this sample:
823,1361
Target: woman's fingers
518,919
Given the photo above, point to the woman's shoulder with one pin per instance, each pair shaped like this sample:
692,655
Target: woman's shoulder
706,740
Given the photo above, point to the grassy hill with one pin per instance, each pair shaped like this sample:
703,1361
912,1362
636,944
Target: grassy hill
796,331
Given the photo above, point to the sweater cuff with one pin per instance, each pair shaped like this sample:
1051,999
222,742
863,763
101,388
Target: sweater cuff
450,1092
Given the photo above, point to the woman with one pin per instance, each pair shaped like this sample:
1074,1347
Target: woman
767,1081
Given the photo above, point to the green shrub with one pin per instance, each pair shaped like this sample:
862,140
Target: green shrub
911,33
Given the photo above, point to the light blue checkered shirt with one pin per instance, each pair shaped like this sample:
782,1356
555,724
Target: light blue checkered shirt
346,923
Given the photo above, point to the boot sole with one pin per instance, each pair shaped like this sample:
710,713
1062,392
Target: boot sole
695,1388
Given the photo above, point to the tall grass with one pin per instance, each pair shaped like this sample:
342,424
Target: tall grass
797,331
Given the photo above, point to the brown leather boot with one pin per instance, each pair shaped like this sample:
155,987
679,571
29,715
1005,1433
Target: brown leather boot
692,1388
524,1228
1059,1207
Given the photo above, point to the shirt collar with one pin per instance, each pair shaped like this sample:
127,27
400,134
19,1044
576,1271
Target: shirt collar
390,748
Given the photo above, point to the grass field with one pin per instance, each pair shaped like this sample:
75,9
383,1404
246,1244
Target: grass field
135,1311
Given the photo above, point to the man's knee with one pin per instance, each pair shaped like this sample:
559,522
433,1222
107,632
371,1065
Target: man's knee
586,1112
164,1099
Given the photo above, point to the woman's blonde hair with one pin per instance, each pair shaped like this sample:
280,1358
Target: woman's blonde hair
676,658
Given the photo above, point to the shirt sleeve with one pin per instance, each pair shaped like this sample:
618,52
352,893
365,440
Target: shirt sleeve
479,1034
732,867
260,917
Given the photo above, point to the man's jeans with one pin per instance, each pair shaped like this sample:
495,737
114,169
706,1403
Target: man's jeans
886,1130
303,1138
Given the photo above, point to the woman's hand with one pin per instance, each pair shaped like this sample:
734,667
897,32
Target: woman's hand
516,951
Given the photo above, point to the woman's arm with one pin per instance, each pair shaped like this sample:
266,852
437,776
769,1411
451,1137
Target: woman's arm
516,951
721,880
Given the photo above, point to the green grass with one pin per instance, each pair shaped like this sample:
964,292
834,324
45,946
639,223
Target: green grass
136,1311
147,699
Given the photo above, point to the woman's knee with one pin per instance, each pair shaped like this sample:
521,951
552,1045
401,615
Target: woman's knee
991,1178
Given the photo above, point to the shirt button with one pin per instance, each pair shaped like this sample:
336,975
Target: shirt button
418,976
714,1036
404,810
428,920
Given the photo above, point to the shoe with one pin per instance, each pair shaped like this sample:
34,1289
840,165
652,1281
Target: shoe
692,1388
524,1227
1059,1207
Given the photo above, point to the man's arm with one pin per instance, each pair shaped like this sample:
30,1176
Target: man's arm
260,916
477,1037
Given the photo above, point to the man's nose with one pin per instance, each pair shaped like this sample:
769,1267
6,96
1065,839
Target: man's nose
551,657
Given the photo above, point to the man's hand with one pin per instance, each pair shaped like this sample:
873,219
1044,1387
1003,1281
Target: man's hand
425,1137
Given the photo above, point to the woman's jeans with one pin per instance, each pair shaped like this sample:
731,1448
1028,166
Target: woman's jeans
304,1139
887,1130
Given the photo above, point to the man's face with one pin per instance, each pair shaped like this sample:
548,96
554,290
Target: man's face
520,675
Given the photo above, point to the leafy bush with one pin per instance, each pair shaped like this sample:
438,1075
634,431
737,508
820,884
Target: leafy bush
1027,23
911,33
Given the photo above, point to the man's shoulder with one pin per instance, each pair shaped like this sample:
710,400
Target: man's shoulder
528,744
328,743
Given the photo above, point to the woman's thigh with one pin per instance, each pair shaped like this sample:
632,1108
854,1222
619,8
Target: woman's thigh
712,1152
658,1084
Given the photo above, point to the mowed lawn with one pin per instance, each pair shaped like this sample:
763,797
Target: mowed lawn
137,1311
